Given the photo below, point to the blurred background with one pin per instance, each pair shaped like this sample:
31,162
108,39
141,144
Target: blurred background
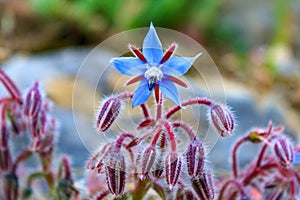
255,44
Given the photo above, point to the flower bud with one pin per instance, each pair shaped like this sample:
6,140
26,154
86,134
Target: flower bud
222,119
33,101
173,167
108,113
115,173
5,160
3,136
148,160
10,86
184,194
204,186
195,158
16,117
11,186
283,149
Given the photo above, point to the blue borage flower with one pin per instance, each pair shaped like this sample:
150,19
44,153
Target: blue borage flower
154,69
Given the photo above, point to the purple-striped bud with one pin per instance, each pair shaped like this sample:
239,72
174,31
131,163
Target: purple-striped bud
148,160
222,119
4,134
5,160
10,86
108,113
173,167
16,117
184,194
33,101
11,186
3,126
195,158
204,186
283,149
115,173
96,162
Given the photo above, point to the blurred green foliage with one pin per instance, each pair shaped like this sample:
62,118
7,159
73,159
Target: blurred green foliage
201,19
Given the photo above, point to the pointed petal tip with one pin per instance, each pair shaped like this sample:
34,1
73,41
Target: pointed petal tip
151,25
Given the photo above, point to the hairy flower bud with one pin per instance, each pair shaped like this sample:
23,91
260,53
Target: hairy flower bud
10,86
115,173
283,149
3,136
184,194
148,160
204,186
172,168
11,186
222,119
108,113
33,101
5,160
195,158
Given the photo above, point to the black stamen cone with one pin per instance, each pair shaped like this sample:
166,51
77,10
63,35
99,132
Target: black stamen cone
151,83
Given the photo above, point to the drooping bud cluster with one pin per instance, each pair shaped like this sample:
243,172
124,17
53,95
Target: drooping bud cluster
21,116
153,153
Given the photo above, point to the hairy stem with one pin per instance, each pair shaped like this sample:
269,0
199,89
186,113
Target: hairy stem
237,184
186,127
176,108
234,155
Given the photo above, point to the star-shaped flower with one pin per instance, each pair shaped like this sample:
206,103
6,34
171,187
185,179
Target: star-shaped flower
154,69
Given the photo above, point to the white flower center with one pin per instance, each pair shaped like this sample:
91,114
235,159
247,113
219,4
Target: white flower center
154,73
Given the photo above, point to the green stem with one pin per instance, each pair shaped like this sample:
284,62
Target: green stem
141,189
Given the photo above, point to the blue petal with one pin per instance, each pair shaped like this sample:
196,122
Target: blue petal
141,94
178,64
169,90
129,66
297,158
152,48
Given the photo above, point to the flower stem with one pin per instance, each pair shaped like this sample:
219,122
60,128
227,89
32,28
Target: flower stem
257,171
158,98
186,127
46,164
234,155
176,108
141,189
121,139
171,134
236,184
129,95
